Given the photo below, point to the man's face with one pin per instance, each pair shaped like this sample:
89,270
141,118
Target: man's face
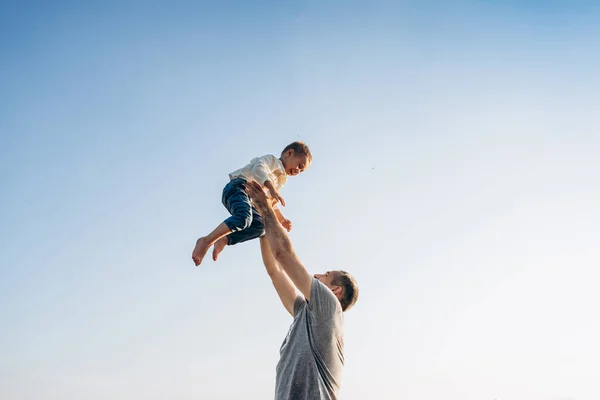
326,278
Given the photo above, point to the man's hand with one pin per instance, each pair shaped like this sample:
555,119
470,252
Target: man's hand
287,224
257,194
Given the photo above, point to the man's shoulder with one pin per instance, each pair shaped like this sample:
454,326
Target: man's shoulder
321,290
323,300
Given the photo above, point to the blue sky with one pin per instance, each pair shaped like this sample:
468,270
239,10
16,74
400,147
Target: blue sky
456,175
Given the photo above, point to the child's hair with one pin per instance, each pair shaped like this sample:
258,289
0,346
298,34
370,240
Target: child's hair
299,148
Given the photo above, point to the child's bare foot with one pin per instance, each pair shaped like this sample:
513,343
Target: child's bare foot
202,246
219,246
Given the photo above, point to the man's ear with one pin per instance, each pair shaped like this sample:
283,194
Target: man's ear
337,290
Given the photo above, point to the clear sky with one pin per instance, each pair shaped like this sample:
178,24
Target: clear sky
456,174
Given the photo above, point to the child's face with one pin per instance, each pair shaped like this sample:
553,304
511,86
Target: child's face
295,163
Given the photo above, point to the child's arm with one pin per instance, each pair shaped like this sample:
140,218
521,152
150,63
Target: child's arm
286,223
262,168
269,185
278,214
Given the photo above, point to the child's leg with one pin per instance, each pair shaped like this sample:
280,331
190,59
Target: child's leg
236,200
255,230
204,243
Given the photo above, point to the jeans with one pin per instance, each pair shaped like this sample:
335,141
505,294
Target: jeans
245,221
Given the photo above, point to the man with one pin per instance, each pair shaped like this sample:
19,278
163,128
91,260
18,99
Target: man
312,354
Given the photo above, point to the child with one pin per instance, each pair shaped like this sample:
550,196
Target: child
245,222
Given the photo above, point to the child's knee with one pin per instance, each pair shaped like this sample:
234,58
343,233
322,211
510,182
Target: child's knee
241,221
247,221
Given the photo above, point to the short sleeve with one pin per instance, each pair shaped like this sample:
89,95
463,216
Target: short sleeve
263,166
299,303
323,304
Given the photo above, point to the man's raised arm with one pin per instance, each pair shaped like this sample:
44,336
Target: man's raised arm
283,285
280,244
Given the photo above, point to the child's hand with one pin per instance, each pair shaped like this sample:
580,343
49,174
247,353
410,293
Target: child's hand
274,193
287,224
278,197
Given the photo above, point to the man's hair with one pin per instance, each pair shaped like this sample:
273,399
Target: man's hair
299,148
350,289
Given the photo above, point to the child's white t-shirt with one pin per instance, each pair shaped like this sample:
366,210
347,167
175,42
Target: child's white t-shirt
261,169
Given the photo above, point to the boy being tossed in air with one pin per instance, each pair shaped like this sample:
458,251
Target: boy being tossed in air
245,222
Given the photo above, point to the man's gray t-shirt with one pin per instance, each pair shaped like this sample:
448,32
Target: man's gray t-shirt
312,354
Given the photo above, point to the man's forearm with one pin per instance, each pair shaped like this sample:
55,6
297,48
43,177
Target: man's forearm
268,259
278,240
282,283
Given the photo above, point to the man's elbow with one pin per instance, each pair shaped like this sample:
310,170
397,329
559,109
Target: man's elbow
273,269
284,254
273,272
